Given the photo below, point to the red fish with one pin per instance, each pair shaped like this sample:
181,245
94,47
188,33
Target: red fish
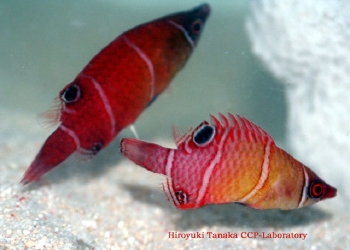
229,161
117,85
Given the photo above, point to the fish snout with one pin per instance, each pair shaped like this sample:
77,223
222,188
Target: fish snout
329,192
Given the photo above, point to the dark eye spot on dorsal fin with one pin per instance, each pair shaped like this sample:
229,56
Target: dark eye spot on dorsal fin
204,135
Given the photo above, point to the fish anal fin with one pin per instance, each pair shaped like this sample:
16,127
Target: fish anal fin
84,154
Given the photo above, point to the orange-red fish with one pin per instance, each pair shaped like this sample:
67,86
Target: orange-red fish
117,85
229,161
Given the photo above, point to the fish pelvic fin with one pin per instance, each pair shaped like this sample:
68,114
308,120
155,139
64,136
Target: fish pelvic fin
134,131
177,198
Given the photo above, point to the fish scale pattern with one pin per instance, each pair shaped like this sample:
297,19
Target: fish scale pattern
305,44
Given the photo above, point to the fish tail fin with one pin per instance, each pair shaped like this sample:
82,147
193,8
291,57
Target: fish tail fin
148,155
58,147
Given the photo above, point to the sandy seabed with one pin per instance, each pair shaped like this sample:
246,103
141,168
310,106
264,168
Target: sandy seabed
109,203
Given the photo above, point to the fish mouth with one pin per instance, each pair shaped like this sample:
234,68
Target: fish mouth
330,192
204,8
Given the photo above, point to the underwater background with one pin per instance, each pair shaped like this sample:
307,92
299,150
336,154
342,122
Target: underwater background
44,45
110,203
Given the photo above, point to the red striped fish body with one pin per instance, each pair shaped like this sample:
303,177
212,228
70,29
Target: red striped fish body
229,161
117,85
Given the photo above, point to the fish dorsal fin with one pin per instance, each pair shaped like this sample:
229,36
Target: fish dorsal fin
215,122
180,135
241,128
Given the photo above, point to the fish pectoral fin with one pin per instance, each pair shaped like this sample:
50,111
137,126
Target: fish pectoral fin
51,118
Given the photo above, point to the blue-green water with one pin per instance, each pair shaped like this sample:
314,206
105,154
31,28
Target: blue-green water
45,44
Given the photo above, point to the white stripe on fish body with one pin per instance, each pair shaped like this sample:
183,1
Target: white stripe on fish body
105,102
184,32
72,134
263,176
76,140
304,192
210,168
233,160
240,134
168,173
148,62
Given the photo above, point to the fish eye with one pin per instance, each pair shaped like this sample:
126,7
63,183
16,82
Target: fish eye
197,26
71,94
204,135
316,189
